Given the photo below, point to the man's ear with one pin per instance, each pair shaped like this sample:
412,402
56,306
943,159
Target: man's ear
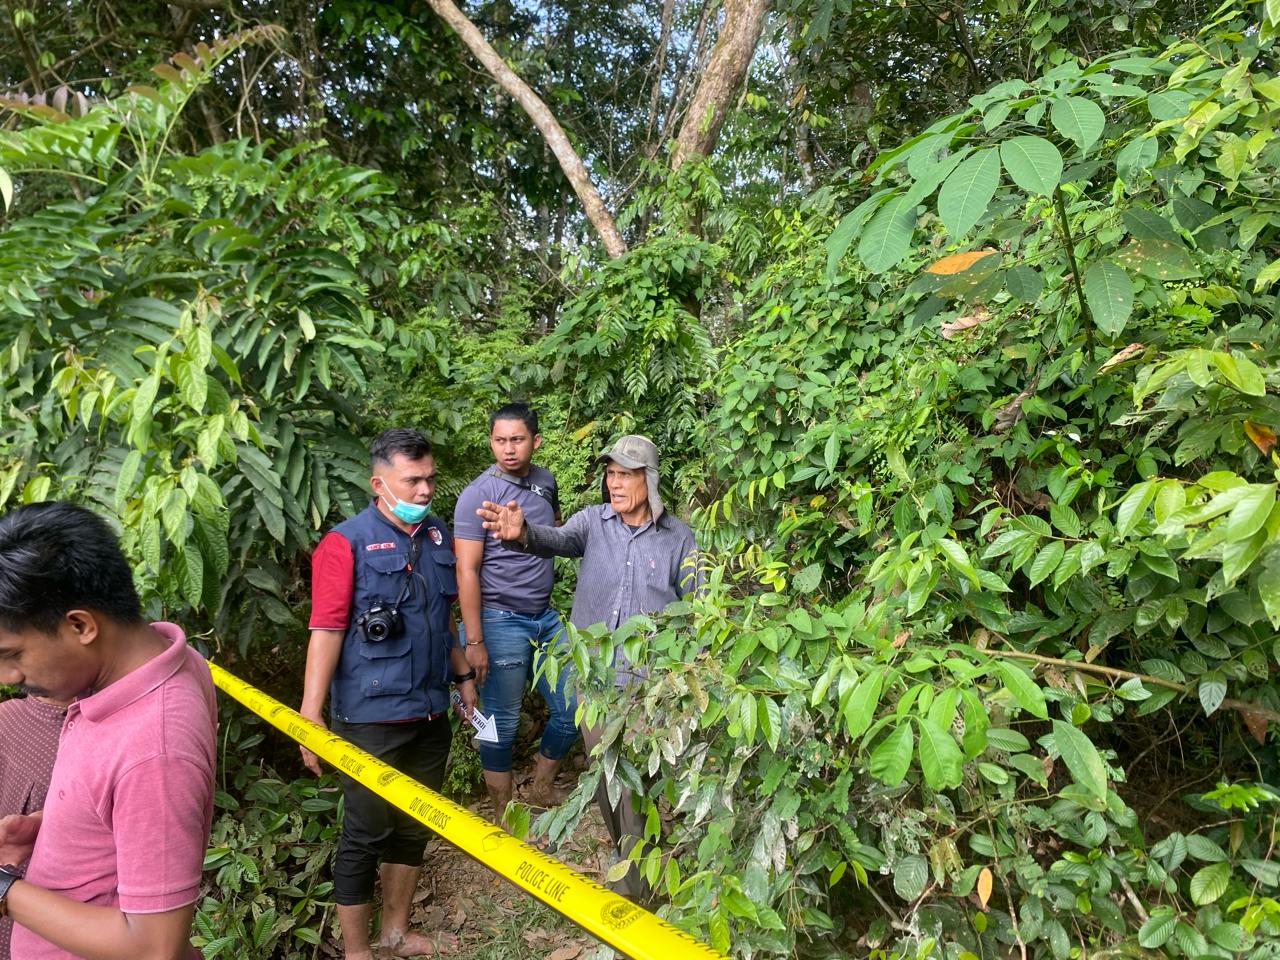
537,440
83,625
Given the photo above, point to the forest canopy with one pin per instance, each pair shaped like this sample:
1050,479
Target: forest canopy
955,324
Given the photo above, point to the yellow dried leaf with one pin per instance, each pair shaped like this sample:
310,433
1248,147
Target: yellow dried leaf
1128,353
984,886
957,262
1263,437
967,322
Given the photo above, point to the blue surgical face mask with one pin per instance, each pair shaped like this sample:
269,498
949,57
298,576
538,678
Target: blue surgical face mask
406,511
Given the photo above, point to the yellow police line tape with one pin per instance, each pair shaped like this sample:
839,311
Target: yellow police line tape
616,920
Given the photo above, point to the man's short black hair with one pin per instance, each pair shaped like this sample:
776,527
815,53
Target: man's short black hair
516,411
408,443
56,557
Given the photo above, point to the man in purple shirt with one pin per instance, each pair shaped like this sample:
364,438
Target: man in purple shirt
111,867
504,595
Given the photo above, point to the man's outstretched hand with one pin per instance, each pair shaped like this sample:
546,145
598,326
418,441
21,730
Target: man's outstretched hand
506,522
18,837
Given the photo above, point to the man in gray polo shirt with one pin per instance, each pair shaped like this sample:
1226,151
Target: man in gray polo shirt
503,595
636,558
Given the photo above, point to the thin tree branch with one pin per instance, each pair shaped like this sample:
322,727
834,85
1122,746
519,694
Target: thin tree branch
574,169
1243,706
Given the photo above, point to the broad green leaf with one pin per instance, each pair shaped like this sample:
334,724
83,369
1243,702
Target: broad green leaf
887,237
1212,690
192,575
847,229
1024,283
6,188
1158,928
1136,157
958,558
1033,163
1251,511
1169,104
1209,883
1081,757
1078,119
1144,224
1269,592
1158,259
1241,372
966,194
861,708
1229,936
1046,561
910,876
1023,689
1272,10
1267,275
1109,294
941,761
891,758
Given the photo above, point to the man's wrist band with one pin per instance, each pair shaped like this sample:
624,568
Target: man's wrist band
475,643
464,677
8,874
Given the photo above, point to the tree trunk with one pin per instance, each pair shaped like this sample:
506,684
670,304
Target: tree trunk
730,59
543,119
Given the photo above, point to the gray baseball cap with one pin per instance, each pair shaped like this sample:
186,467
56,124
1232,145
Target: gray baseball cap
635,452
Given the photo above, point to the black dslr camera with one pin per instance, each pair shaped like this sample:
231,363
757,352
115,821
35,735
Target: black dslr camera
380,621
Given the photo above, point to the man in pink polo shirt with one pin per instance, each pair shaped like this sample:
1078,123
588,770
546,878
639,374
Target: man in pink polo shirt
113,862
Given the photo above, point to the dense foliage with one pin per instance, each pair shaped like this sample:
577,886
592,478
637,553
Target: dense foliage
961,349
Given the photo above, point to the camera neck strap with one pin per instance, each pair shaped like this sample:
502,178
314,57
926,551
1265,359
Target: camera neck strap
415,551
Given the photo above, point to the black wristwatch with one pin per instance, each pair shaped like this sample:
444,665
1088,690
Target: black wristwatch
8,874
463,677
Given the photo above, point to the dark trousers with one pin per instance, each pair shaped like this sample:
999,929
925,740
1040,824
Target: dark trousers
373,831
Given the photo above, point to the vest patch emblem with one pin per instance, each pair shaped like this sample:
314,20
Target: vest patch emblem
436,536
379,546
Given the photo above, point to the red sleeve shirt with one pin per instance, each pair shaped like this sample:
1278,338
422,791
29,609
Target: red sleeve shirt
332,583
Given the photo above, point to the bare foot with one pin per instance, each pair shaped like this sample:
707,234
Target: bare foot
397,944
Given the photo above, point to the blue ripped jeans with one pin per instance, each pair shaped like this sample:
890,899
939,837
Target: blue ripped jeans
512,640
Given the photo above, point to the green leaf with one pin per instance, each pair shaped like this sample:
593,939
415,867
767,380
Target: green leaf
1078,119
192,575
1033,163
1158,929
847,229
1046,561
6,188
1209,883
1133,506
888,236
1212,690
958,558
1241,372
861,708
910,876
1024,690
1229,936
1136,157
1251,512
1109,294
941,761
1269,592
966,194
891,758
1024,283
1158,259
1082,758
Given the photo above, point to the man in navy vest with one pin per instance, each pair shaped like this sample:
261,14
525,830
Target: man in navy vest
383,650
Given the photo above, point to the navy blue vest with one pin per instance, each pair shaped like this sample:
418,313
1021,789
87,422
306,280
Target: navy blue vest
406,675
